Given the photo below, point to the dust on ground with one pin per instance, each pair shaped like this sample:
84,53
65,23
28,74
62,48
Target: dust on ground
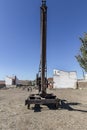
72,114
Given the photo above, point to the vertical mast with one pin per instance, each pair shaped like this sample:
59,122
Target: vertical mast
43,16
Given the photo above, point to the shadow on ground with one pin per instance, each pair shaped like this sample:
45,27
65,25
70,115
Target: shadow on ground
38,108
63,105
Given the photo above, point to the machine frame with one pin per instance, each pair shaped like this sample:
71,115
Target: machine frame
42,98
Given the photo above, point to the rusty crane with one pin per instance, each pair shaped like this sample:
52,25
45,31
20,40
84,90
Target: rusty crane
41,79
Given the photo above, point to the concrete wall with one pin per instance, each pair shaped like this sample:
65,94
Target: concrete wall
82,84
9,81
63,79
85,77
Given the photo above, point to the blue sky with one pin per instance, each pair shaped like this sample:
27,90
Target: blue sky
20,36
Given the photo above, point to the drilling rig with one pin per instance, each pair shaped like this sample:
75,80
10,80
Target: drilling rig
42,98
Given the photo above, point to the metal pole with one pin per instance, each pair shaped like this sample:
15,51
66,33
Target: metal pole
43,9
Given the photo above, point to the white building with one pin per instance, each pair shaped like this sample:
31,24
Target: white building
85,76
64,79
11,81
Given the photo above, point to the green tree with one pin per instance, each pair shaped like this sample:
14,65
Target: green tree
82,56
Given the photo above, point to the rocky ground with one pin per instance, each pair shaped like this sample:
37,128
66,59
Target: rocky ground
72,114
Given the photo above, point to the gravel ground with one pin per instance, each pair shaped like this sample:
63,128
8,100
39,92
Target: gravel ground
72,114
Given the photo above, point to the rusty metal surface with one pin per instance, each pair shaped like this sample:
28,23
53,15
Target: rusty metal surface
41,101
43,67
41,79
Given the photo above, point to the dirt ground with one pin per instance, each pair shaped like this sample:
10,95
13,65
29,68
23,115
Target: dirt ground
72,114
